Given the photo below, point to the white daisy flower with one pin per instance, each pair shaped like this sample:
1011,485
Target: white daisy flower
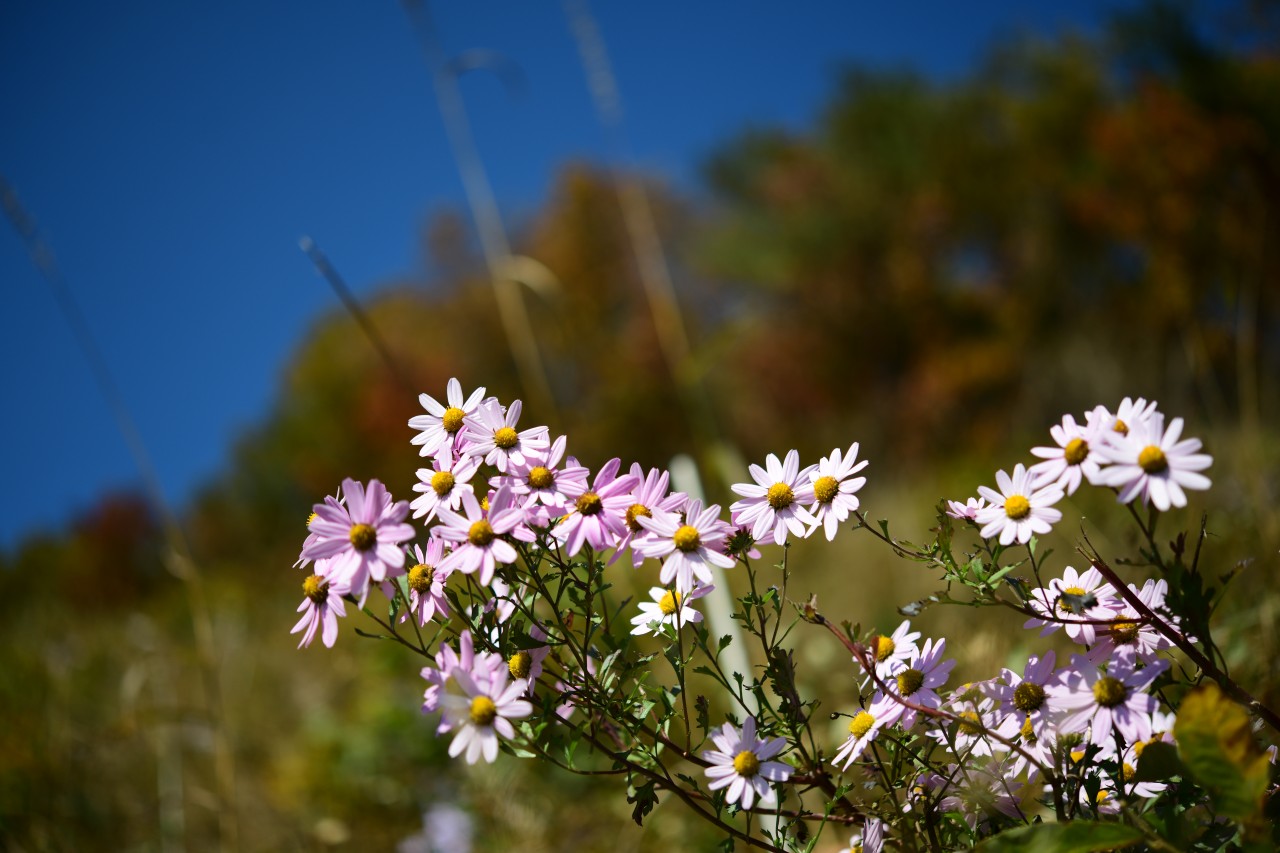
440,426
830,489
1074,458
1130,413
740,763
772,505
1149,462
667,608
1018,510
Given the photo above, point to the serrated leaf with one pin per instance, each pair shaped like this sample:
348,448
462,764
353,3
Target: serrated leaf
1077,837
1215,743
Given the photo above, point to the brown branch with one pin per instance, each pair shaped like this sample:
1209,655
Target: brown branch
1208,667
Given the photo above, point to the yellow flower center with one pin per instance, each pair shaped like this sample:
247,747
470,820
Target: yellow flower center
311,520
687,538
520,664
670,603
484,503
1120,427
316,588
1102,796
1128,771
1076,451
540,477
909,681
420,578
780,496
1025,731
363,537
1017,507
970,722
746,764
1143,744
589,504
1109,692
1124,633
636,511
861,723
825,489
483,711
1028,697
884,647
1071,590
442,483
451,420
480,534
506,438
1152,459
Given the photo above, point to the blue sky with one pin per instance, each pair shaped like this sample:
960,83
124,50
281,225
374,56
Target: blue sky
173,153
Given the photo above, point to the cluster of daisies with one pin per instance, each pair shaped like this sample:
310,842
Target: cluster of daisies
495,494
1131,451
1094,715
494,490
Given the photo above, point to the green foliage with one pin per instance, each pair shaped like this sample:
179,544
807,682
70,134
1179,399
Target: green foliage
1075,837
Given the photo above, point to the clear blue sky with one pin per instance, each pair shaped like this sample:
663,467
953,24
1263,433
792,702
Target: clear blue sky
174,152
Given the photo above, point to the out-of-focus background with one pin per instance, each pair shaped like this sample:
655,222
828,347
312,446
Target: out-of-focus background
731,231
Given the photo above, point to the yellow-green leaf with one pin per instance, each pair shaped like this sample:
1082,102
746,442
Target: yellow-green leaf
1216,744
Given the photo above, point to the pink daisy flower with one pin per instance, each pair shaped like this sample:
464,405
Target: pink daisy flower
483,712
322,606
967,511
869,840
362,539
477,540
649,496
1018,510
864,727
526,664
771,506
426,584
1023,697
312,536
1097,598
895,651
831,489
1099,701
492,434
442,425
1149,462
919,682
691,545
482,666
1130,630
979,714
538,482
598,517
740,763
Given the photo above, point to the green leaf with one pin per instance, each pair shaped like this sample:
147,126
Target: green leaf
645,799
1158,763
1077,837
1215,742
